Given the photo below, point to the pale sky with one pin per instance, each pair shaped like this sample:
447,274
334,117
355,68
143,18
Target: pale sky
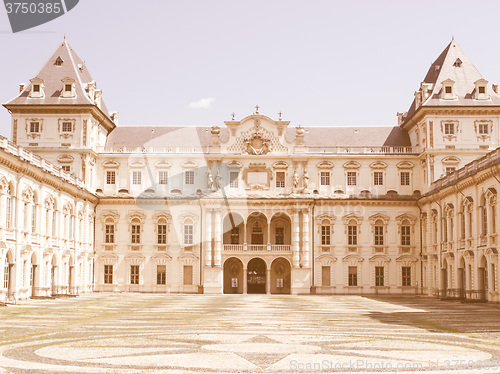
194,62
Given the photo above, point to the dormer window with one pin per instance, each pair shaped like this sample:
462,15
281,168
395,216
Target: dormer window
447,93
480,91
36,88
68,89
59,61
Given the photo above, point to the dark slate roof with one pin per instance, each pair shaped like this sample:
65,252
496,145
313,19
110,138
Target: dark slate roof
464,75
52,74
160,136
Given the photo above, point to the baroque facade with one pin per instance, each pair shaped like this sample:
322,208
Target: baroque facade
252,205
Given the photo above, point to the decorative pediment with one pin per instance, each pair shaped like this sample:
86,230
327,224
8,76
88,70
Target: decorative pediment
136,214
189,164
378,165
188,217
161,258
235,164
162,215
326,259
28,195
110,164
65,159
405,165
113,214
353,258
325,165
280,165
450,160
325,216
67,208
406,258
49,202
4,185
135,258
136,164
188,256
352,165
108,258
352,216
406,216
380,259
163,164
379,216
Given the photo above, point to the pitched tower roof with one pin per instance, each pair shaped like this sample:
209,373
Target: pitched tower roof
64,63
452,66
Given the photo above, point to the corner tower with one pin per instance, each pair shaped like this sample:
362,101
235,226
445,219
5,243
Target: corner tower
60,114
454,117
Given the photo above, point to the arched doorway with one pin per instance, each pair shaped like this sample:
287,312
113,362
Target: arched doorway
482,274
233,276
256,276
461,278
34,275
280,276
53,275
233,231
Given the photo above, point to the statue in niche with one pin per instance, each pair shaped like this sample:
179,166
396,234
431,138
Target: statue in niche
295,179
211,181
305,179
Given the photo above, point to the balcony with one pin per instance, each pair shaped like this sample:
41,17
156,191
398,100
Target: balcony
257,248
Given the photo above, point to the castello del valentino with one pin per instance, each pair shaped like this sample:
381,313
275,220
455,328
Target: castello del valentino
252,204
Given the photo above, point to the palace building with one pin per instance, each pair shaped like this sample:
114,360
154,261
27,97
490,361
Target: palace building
253,204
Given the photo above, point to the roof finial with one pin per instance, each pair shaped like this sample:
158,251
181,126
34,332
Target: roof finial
452,37
257,109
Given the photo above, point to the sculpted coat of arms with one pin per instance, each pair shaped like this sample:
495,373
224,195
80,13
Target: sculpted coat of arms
257,142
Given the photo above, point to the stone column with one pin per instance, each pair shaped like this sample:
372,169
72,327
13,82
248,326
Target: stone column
305,239
269,235
3,213
218,239
268,281
296,239
208,238
245,236
245,280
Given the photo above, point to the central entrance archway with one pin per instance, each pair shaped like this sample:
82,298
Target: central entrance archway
256,280
233,276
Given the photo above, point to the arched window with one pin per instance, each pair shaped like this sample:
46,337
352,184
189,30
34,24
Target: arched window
484,216
8,208
352,232
161,230
109,231
405,233
378,233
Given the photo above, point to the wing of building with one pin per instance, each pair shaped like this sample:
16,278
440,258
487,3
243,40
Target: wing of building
251,205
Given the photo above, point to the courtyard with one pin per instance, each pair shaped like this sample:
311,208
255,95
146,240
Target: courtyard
151,333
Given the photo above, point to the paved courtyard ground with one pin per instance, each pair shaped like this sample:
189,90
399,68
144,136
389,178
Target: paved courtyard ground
144,333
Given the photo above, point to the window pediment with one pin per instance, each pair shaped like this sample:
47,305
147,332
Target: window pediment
110,164
325,165
378,165
352,165
405,165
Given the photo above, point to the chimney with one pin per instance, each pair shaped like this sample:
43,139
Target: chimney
400,118
91,89
21,86
114,117
495,88
418,99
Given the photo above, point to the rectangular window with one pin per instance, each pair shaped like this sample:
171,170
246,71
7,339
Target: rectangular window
6,275
67,127
134,274
162,234
188,275
110,177
280,235
325,276
450,169
66,168
379,276
406,276
188,234
136,234
36,88
233,179
405,235
482,89
162,177
34,127
161,274
33,219
405,178
280,179
351,178
325,235
108,274
378,178
353,275
325,178
67,87
449,128
8,211
379,235
110,234
137,177
483,128
447,89
352,235
189,177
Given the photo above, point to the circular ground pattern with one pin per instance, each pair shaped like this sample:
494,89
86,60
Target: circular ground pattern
135,333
